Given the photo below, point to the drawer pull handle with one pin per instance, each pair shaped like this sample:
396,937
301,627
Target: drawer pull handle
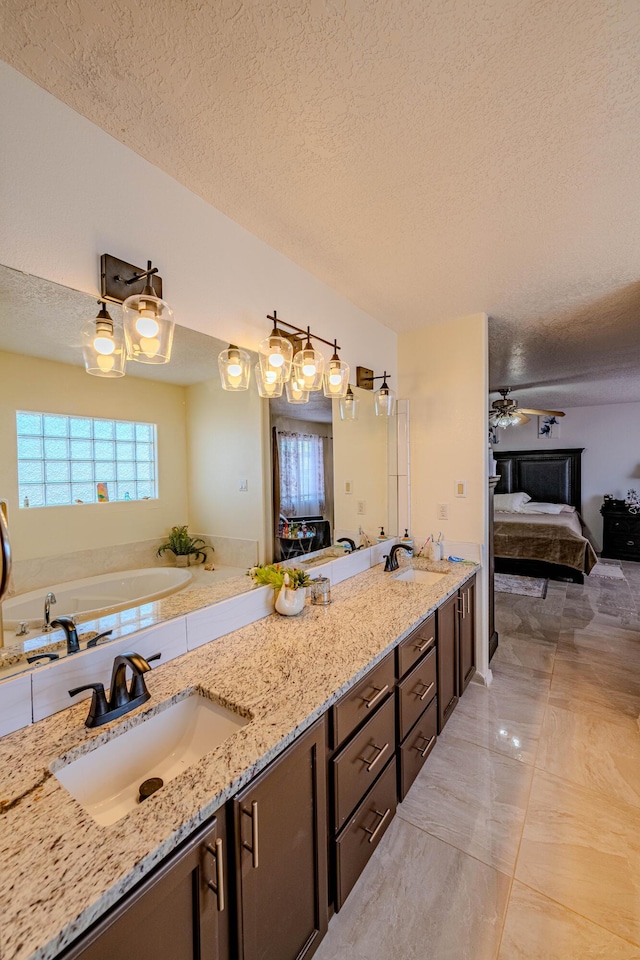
253,846
421,647
630,543
371,701
374,833
371,764
424,752
218,886
429,687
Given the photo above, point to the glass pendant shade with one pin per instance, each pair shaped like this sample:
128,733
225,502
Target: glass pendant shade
336,378
275,355
384,401
234,366
269,386
349,406
308,367
148,327
296,392
103,346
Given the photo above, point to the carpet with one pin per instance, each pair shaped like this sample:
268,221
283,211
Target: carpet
524,586
608,570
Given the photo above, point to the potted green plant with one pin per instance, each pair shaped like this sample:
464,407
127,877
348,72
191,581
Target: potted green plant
184,547
289,584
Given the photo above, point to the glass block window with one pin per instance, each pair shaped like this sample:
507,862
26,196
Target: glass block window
61,460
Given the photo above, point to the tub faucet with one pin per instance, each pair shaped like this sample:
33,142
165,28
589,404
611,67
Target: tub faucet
69,627
48,600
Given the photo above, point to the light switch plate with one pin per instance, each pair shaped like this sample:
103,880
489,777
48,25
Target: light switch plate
243,486
362,507
348,486
461,488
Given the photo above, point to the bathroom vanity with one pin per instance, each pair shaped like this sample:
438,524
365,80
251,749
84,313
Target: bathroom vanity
246,853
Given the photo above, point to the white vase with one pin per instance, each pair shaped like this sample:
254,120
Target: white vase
290,602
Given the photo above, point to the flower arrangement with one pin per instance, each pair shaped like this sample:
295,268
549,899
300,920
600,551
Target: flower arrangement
183,545
273,574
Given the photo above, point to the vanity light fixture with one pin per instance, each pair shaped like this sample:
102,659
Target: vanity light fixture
349,405
276,355
296,392
308,365
234,365
384,399
269,385
103,345
147,318
336,378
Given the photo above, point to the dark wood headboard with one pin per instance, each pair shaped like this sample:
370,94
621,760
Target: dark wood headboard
548,476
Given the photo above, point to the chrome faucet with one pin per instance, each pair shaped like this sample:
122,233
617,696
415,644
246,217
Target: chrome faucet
392,557
48,600
69,627
121,699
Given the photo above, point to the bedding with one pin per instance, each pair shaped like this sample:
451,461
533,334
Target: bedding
553,539
551,508
510,502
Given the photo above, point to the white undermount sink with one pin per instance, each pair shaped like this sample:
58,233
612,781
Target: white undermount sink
106,781
425,577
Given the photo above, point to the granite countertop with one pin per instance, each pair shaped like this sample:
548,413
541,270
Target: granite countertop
61,870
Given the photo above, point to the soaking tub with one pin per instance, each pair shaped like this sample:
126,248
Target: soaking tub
93,596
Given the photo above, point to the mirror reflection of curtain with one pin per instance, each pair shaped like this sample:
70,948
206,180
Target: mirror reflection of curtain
302,479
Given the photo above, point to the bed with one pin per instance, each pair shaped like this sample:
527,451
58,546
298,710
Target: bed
534,545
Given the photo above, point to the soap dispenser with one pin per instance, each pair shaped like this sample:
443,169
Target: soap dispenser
406,541
382,536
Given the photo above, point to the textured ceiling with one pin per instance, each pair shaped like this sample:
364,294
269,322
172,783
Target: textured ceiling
426,158
43,319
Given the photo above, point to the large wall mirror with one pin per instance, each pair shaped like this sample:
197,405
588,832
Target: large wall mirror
95,472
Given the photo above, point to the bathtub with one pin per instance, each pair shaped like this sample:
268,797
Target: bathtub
93,596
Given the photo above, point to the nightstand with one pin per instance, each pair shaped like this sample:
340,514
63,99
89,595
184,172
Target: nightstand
621,534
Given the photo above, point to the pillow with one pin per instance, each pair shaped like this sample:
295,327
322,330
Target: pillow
510,502
549,508
567,508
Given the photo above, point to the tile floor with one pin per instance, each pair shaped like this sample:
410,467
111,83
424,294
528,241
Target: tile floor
520,839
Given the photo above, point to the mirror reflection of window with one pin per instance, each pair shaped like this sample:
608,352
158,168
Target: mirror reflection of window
301,474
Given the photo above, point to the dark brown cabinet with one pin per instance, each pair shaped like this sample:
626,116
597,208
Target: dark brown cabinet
448,681
280,827
467,633
179,913
620,534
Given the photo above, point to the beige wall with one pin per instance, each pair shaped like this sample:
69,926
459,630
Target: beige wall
360,454
224,431
27,383
444,373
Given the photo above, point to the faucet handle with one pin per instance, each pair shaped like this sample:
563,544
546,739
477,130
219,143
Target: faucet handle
138,686
100,636
99,706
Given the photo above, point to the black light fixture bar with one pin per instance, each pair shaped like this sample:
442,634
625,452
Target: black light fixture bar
365,378
119,279
275,319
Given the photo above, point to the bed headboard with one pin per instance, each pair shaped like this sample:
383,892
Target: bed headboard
548,476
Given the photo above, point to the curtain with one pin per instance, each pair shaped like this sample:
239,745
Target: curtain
301,461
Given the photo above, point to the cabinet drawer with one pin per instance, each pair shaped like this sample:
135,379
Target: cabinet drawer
358,705
415,693
417,747
626,542
361,761
416,645
363,833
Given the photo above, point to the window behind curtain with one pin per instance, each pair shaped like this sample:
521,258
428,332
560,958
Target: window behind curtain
301,475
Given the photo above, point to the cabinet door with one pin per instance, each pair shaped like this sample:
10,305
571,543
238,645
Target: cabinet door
467,621
174,914
447,659
280,824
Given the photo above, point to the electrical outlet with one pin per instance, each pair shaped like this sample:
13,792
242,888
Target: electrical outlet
443,511
461,488
243,486
362,507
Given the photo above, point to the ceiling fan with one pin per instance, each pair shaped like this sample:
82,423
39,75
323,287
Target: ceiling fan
506,413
